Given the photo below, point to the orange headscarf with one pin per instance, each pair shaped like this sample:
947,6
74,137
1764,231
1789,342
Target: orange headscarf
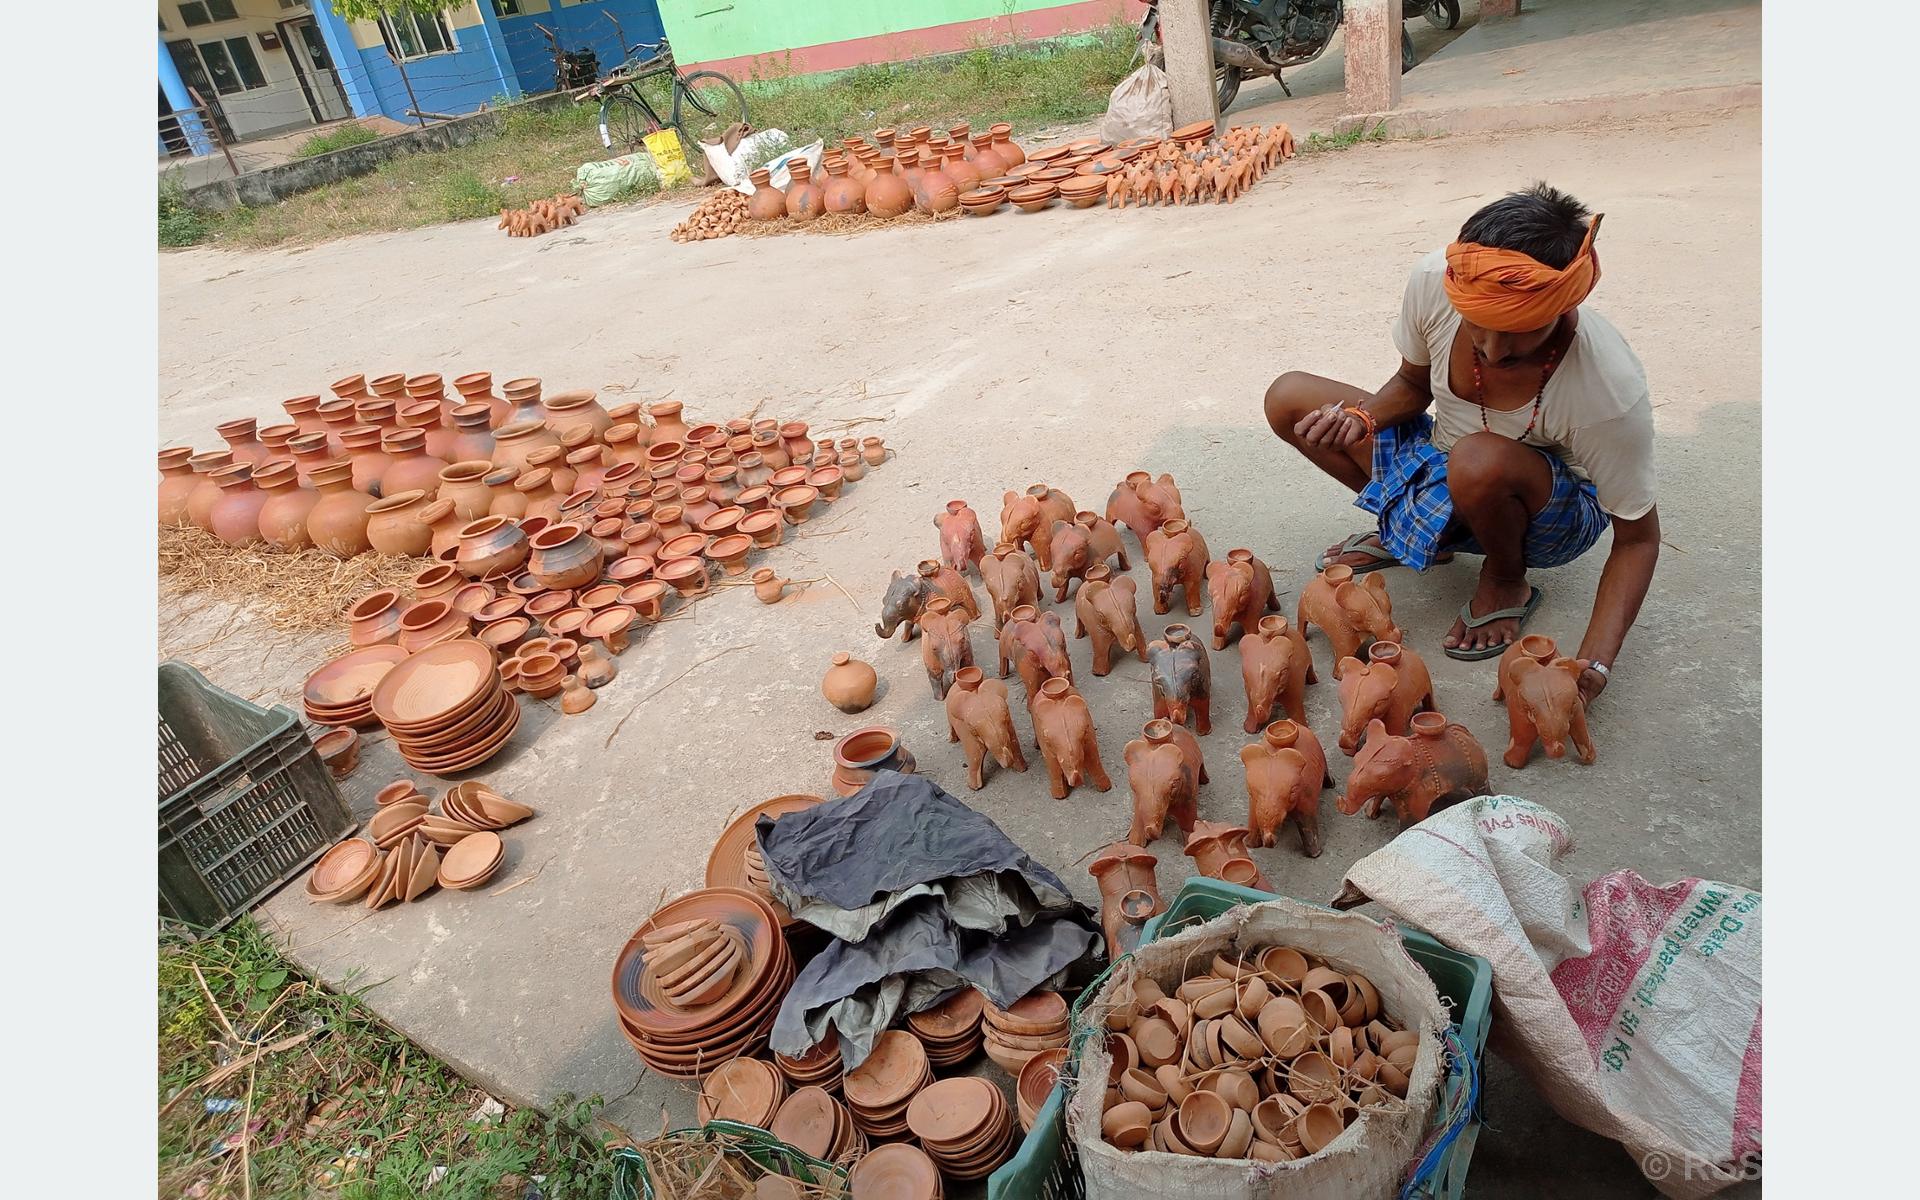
1514,292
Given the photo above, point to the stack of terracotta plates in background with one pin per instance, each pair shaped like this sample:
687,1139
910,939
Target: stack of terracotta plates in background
950,1030
879,1089
813,1122
1036,1083
818,1067
964,1125
747,1090
666,981
446,708
1199,131
1038,1021
901,1171
341,691
736,862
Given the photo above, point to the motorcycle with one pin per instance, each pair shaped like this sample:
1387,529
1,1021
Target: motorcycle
1263,37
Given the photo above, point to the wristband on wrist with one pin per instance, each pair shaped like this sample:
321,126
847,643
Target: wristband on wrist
1366,418
1605,672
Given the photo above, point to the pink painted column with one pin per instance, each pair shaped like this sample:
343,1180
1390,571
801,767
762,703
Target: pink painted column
1496,10
1373,55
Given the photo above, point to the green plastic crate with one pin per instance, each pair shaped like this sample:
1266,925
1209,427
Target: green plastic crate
1045,1167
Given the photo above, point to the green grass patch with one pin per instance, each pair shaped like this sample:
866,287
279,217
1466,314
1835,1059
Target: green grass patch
179,225
1319,142
338,138
344,1107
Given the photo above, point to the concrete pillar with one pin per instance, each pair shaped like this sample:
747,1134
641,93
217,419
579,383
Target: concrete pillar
502,58
1496,10
1373,55
352,72
1187,38
180,100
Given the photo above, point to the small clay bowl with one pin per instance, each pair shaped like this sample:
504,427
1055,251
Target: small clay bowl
1033,198
505,634
1128,1123
1318,1127
1202,1121
500,609
339,748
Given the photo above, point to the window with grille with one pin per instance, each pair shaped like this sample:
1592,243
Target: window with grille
232,66
414,35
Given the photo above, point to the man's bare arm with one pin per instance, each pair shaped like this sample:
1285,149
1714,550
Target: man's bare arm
1400,399
1623,586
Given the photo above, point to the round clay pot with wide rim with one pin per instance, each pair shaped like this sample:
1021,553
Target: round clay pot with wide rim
765,526
427,621
361,444
523,401
441,517
564,556
472,440
242,436
964,174
490,544
513,442
507,500
235,519
688,575
937,192
842,194
311,451
667,423
553,459
768,203
275,439
849,683
337,522
410,467
374,619
464,485
304,411
730,551
430,420
625,441
394,525
535,486
283,518
177,482
571,409
796,503
804,198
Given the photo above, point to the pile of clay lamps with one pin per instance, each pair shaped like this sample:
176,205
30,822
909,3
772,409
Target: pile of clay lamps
821,1066
700,983
747,1090
446,707
964,1125
735,861
950,1030
1268,1057
879,1089
813,1122
717,216
1036,1083
1035,1022
899,1171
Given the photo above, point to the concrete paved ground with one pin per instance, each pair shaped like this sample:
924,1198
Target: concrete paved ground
1066,347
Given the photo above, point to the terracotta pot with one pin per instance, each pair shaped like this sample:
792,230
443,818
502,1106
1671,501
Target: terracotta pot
535,486
772,449
936,191
688,576
671,520
849,684
767,203
311,451
722,522
804,198
283,518
827,481
765,527
564,556
472,439
630,569
569,410
235,519
339,748
642,538
1003,144
853,468
730,551
394,524
428,621
445,521
589,466
428,417
370,463
523,402
768,588
463,484
987,158
796,503
722,484
337,523
383,415
698,505
177,482
874,450
513,442
645,598
553,459
349,387
374,619
243,441
504,500
275,439
964,174
842,194
667,425
606,531
627,445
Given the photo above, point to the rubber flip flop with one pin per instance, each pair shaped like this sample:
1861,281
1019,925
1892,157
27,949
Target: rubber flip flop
1357,544
1522,614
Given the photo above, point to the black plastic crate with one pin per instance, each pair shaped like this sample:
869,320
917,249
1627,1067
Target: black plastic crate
245,802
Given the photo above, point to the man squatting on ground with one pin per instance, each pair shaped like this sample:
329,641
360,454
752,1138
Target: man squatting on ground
1517,427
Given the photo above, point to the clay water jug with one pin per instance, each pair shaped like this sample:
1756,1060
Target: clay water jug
394,525
536,485
523,401
311,451
422,388
697,505
1003,145
383,415
589,466
349,387
275,439
849,683
472,435
337,523
490,544
768,442
883,138
427,417
799,446
464,484
625,444
236,514
243,441
667,425
387,387
804,199
513,442
370,463
843,194
987,160
177,482
936,187
567,411
206,489
768,203
411,467
959,132
304,411
337,416
964,174
477,388
446,523
283,518
507,500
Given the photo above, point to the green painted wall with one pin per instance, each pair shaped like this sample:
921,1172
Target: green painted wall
705,30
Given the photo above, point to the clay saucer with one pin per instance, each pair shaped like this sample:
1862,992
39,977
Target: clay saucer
349,681
439,682
688,576
456,762
380,893
1048,155
394,816
952,1112
472,861
1033,198
547,604
445,831
568,622
1036,1082
1052,175
398,791
889,1074
955,1018
746,1090
464,732
726,866
599,596
811,1121
1194,132
818,1065
506,633
340,866
899,1171
1036,1014
739,909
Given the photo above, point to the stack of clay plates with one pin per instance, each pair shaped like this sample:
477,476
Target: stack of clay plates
700,983
813,1122
1036,1083
407,873
472,861
950,1030
879,1089
345,872
736,862
341,691
397,822
964,1125
482,807
747,1090
818,1067
446,708
901,1171
1038,1021
1199,131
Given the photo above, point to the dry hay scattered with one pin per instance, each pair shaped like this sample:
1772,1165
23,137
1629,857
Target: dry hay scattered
714,1166
303,592
845,224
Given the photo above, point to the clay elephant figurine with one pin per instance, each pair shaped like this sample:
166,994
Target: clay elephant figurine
1063,725
979,719
1143,504
1182,679
1241,589
943,580
1219,851
1090,538
1107,611
1537,646
1012,580
1177,557
1286,772
1347,611
1129,894
1438,765
1028,519
1276,667
1544,703
961,545
1163,783
947,647
1035,644
901,607
1393,686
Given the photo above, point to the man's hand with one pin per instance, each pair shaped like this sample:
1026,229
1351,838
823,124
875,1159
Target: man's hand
1592,683
1331,425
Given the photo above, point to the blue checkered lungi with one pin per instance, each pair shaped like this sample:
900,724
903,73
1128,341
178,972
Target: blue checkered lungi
1408,493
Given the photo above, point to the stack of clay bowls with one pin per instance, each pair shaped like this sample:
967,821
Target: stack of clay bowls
747,1090
1083,191
950,1030
1199,131
879,1089
736,862
1269,1056
345,872
819,1067
1033,196
446,707
341,691
900,1171
408,872
472,861
700,983
813,1122
964,1125
984,200
397,821
858,755
1036,1083
1036,1022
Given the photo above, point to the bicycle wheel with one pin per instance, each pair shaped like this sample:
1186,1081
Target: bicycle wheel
707,102
624,122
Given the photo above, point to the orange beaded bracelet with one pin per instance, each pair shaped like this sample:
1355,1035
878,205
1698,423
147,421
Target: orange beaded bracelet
1366,418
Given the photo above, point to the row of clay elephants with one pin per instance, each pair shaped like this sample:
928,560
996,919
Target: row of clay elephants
1407,754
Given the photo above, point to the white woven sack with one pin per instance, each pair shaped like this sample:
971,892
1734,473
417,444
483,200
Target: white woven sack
1141,106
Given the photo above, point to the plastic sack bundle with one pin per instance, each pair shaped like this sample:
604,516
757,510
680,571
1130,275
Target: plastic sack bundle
1141,106
612,178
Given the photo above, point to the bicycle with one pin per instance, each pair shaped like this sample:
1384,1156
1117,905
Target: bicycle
705,103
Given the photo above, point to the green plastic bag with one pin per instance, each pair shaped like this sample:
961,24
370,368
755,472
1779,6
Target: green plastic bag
610,179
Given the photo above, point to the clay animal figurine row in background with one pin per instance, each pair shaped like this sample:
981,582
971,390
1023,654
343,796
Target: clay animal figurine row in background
1349,611
979,718
542,216
1034,644
1028,519
907,596
1542,691
1079,545
1439,764
1012,580
961,544
1143,504
1286,772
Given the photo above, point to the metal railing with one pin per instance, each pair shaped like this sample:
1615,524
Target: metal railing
195,131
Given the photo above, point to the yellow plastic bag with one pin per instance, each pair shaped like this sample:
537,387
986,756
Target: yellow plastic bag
663,146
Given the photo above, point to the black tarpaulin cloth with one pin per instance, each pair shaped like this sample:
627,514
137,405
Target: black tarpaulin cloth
923,896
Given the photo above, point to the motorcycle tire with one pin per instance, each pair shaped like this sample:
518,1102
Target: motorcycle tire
1226,80
1443,14
1406,50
